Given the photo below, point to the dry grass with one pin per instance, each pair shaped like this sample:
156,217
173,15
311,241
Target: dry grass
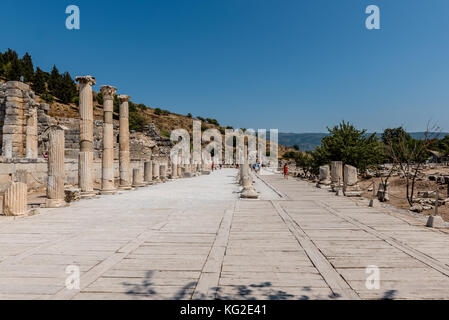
397,191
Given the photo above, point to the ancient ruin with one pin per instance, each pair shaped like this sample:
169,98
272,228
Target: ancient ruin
336,175
56,155
56,172
148,172
86,156
351,186
15,199
108,180
125,171
325,177
18,120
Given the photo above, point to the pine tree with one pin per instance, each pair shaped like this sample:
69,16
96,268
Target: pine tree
39,79
27,68
11,66
55,81
66,89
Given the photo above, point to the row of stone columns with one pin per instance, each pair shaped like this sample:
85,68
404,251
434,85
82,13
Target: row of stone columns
86,140
15,200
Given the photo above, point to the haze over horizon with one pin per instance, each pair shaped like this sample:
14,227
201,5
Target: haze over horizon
298,66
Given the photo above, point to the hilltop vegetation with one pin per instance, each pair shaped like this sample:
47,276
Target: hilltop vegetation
365,151
61,92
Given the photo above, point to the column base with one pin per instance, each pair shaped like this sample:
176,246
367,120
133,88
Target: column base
108,192
55,203
435,222
373,203
88,195
249,194
125,188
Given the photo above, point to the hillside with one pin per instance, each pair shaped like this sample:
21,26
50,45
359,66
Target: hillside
309,141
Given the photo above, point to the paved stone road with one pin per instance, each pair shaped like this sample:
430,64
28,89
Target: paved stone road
193,239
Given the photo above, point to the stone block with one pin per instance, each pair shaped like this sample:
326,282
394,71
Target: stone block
72,195
14,93
325,176
17,85
350,175
12,129
435,222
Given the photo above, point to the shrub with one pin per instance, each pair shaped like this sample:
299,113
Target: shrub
47,98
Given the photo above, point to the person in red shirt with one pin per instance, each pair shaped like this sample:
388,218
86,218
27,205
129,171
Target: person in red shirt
286,171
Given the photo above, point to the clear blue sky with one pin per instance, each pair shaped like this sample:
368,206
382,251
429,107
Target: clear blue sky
298,66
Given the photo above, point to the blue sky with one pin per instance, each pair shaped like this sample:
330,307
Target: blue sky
298,66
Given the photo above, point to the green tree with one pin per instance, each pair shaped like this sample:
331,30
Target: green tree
11,66
305,162
137,122
442,145
99,98
116,104
407,154
353,147
27,68
39,85
54,83
66,90
47,98
12,70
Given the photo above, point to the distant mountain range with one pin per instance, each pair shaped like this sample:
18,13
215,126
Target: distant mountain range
309,141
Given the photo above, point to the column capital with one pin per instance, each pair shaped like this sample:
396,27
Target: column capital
108,92
123,98
86,80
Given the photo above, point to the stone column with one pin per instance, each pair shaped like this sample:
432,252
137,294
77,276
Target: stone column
325,177
248,191
351,186
56,173
137,179
125,163
148,172
174,170
15,201
187,171
156,172
86,155
107,181
336,175
31,134
163,172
